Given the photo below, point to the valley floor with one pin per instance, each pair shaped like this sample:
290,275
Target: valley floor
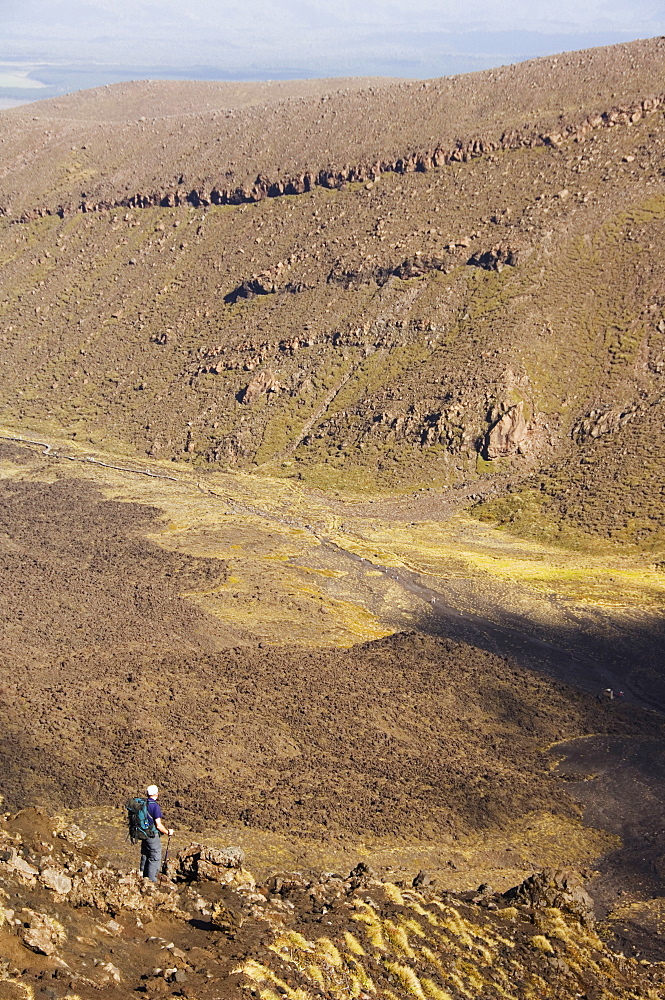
324,680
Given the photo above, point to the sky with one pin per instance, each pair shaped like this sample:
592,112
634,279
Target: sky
55,46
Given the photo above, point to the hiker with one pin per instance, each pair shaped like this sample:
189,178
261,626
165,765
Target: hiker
151,847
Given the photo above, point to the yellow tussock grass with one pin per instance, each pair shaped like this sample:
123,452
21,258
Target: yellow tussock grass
432,991
372,926
314,973
394,893
261,974
398,938
291,939
328,952
412,925
540,943
407,979
353,944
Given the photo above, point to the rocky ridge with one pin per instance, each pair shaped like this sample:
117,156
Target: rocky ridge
364,173
71,924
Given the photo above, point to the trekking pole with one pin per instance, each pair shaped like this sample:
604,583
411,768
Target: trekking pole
166,858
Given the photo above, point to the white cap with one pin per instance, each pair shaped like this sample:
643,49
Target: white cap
152,790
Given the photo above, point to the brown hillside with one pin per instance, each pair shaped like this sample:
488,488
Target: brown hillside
413,740
342,336
155,141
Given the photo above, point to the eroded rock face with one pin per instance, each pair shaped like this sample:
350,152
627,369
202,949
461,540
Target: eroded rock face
600,422
494,259
509,434
264,382
560,888
334,176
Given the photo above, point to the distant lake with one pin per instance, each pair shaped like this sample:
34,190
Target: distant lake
18,80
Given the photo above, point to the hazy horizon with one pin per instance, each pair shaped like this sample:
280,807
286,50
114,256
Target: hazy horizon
51,47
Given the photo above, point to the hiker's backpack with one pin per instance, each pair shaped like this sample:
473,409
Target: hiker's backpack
141,823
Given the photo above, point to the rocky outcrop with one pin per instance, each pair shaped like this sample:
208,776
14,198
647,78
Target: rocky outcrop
251,287
600,422
110,891
494,259
198,863
335,177
412,267
263,383
558,888
509,434
40,932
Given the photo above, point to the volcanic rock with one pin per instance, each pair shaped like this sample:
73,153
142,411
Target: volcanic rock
198,863
286,882
42,933
494,259
15,863
560,888
264,382
227,916
600,422
72,833
509,434
55,879
112,892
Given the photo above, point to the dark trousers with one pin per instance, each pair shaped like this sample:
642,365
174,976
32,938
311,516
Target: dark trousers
151,857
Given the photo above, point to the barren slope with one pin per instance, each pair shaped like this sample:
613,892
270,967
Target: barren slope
341,336
217,137
412,747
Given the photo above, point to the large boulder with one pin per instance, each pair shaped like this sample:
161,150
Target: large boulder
560,888
509,434
55,879
198,863
41,933
264,382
